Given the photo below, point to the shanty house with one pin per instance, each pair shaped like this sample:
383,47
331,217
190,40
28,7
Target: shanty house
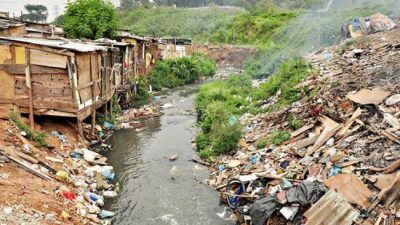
175,47
145,52
55,78
11,28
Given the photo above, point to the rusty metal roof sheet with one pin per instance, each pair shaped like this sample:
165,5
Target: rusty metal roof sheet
61,44
331,209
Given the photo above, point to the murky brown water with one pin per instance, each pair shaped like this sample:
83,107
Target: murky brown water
148,194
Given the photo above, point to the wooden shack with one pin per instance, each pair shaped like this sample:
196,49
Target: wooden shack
145,52
124,58
55,78
11,28
171,48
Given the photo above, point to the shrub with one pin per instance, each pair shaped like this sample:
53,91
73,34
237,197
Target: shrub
294,122
202,141
142,90
225,139
290,73
38,137
261,143
177,72
279,136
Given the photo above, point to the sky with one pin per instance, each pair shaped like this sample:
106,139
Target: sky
54,7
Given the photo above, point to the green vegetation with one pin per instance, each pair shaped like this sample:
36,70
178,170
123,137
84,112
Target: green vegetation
257,26
279,136
177,72
178,22
142,89
38,137
220,103
262,143
290,73
294,122
91,19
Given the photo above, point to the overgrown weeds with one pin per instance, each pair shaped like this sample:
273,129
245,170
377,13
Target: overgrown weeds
177,72
219,105
38,137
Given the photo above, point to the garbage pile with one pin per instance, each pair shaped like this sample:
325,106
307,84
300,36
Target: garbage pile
82,177
359,26
341,165
130,119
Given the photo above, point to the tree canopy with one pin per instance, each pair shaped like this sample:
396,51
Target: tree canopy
36,13
90,19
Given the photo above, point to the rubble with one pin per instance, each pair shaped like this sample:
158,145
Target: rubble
349,144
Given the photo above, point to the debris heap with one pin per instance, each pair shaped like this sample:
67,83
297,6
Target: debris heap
342,165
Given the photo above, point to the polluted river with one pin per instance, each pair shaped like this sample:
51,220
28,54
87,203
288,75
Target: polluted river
155,190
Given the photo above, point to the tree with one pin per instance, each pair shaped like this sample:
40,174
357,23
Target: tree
90,19
36,13
59,21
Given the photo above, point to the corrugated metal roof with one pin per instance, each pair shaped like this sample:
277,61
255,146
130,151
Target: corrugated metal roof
331,209
61,44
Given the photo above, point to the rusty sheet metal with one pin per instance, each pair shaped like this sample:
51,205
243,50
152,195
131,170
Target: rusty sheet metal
331,209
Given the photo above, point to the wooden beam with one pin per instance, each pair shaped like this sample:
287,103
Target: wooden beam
46,49
80,129
19,69
29,86
75,79
93,107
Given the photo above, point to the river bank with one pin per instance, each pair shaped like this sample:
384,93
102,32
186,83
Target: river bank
57,184
334,148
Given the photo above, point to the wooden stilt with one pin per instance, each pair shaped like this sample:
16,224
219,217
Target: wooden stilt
93,121
111,106
29,86
80,129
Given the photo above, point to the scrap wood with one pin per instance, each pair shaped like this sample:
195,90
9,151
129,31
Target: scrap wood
384,180
354,190
389,169
348,124
305,142
26,142
23,165
389,195
331,127
301,130
298,137
201,162
27,157
365,96
350,163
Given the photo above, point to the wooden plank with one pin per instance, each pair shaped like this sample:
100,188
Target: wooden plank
43,48
84,76
5,54
29,86
19,69
6,85
20,56
48,59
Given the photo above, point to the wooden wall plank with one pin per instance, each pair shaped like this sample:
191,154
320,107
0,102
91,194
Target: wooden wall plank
84,76
6,85
43,58
19,55
5,54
